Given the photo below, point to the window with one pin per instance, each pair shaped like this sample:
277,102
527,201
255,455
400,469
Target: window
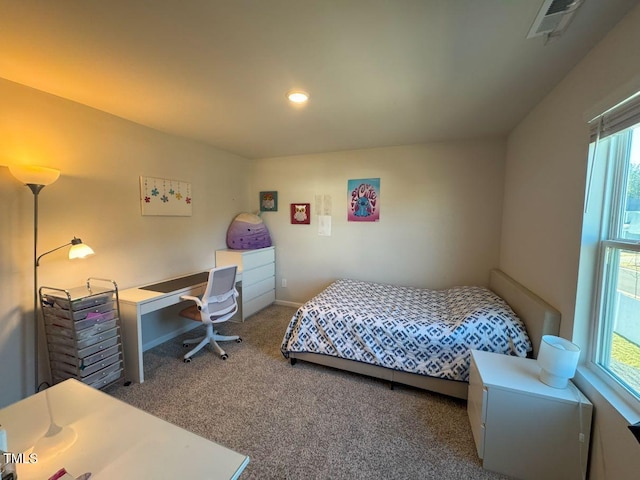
616,351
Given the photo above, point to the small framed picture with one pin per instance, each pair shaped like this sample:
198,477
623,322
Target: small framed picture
301,213
268,201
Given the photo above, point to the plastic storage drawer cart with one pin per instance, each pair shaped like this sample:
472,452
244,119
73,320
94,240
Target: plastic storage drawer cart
83,331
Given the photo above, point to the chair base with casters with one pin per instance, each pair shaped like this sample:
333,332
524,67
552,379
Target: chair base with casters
211,337
218,304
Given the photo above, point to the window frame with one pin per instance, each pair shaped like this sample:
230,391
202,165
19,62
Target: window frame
610,244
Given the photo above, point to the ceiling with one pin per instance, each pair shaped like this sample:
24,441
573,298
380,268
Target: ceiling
379,72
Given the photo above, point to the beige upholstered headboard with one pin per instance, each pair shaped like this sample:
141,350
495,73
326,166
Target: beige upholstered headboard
539,317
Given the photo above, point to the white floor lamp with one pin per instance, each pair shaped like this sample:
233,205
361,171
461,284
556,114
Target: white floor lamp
36,178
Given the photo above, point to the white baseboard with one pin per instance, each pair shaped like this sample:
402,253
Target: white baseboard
287,304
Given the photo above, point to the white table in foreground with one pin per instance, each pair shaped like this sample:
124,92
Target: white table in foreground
113,439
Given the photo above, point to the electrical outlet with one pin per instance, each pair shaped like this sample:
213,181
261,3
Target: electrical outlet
284,283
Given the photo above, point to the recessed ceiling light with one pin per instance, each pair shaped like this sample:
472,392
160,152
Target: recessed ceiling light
297,96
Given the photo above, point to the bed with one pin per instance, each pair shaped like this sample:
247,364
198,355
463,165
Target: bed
379,330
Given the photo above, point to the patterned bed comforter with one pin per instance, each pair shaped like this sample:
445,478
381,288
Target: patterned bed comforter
429,332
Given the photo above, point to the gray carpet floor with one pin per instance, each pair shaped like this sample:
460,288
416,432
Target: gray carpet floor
304,421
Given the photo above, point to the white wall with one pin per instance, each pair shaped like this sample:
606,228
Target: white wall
439,225
543,211
97,199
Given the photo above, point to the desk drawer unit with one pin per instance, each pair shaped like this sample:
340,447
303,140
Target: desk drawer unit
477,407
258,287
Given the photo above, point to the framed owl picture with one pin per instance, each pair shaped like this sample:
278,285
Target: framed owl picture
269,201
300,213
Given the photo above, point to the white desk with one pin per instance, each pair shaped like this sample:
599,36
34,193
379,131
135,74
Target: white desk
112,439
137,302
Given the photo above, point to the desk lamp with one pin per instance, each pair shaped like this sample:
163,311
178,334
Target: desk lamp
36,178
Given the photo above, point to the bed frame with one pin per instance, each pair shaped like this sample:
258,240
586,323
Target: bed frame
539,317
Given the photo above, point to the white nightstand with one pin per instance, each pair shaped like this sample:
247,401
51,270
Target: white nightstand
522,427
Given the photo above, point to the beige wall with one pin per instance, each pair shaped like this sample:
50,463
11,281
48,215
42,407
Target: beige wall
544,198
97,199
441,211
439,225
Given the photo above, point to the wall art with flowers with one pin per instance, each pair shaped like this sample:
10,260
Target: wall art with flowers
161,196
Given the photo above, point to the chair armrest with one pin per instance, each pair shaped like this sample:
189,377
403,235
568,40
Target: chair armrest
192,298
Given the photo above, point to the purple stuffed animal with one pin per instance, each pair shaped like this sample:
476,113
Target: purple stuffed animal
248,232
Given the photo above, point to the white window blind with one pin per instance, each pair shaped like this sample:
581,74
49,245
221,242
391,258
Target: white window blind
616,119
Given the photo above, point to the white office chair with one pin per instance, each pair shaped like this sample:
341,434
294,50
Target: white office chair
218,304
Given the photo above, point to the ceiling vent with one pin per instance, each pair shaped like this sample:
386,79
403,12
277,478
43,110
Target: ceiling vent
554,18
